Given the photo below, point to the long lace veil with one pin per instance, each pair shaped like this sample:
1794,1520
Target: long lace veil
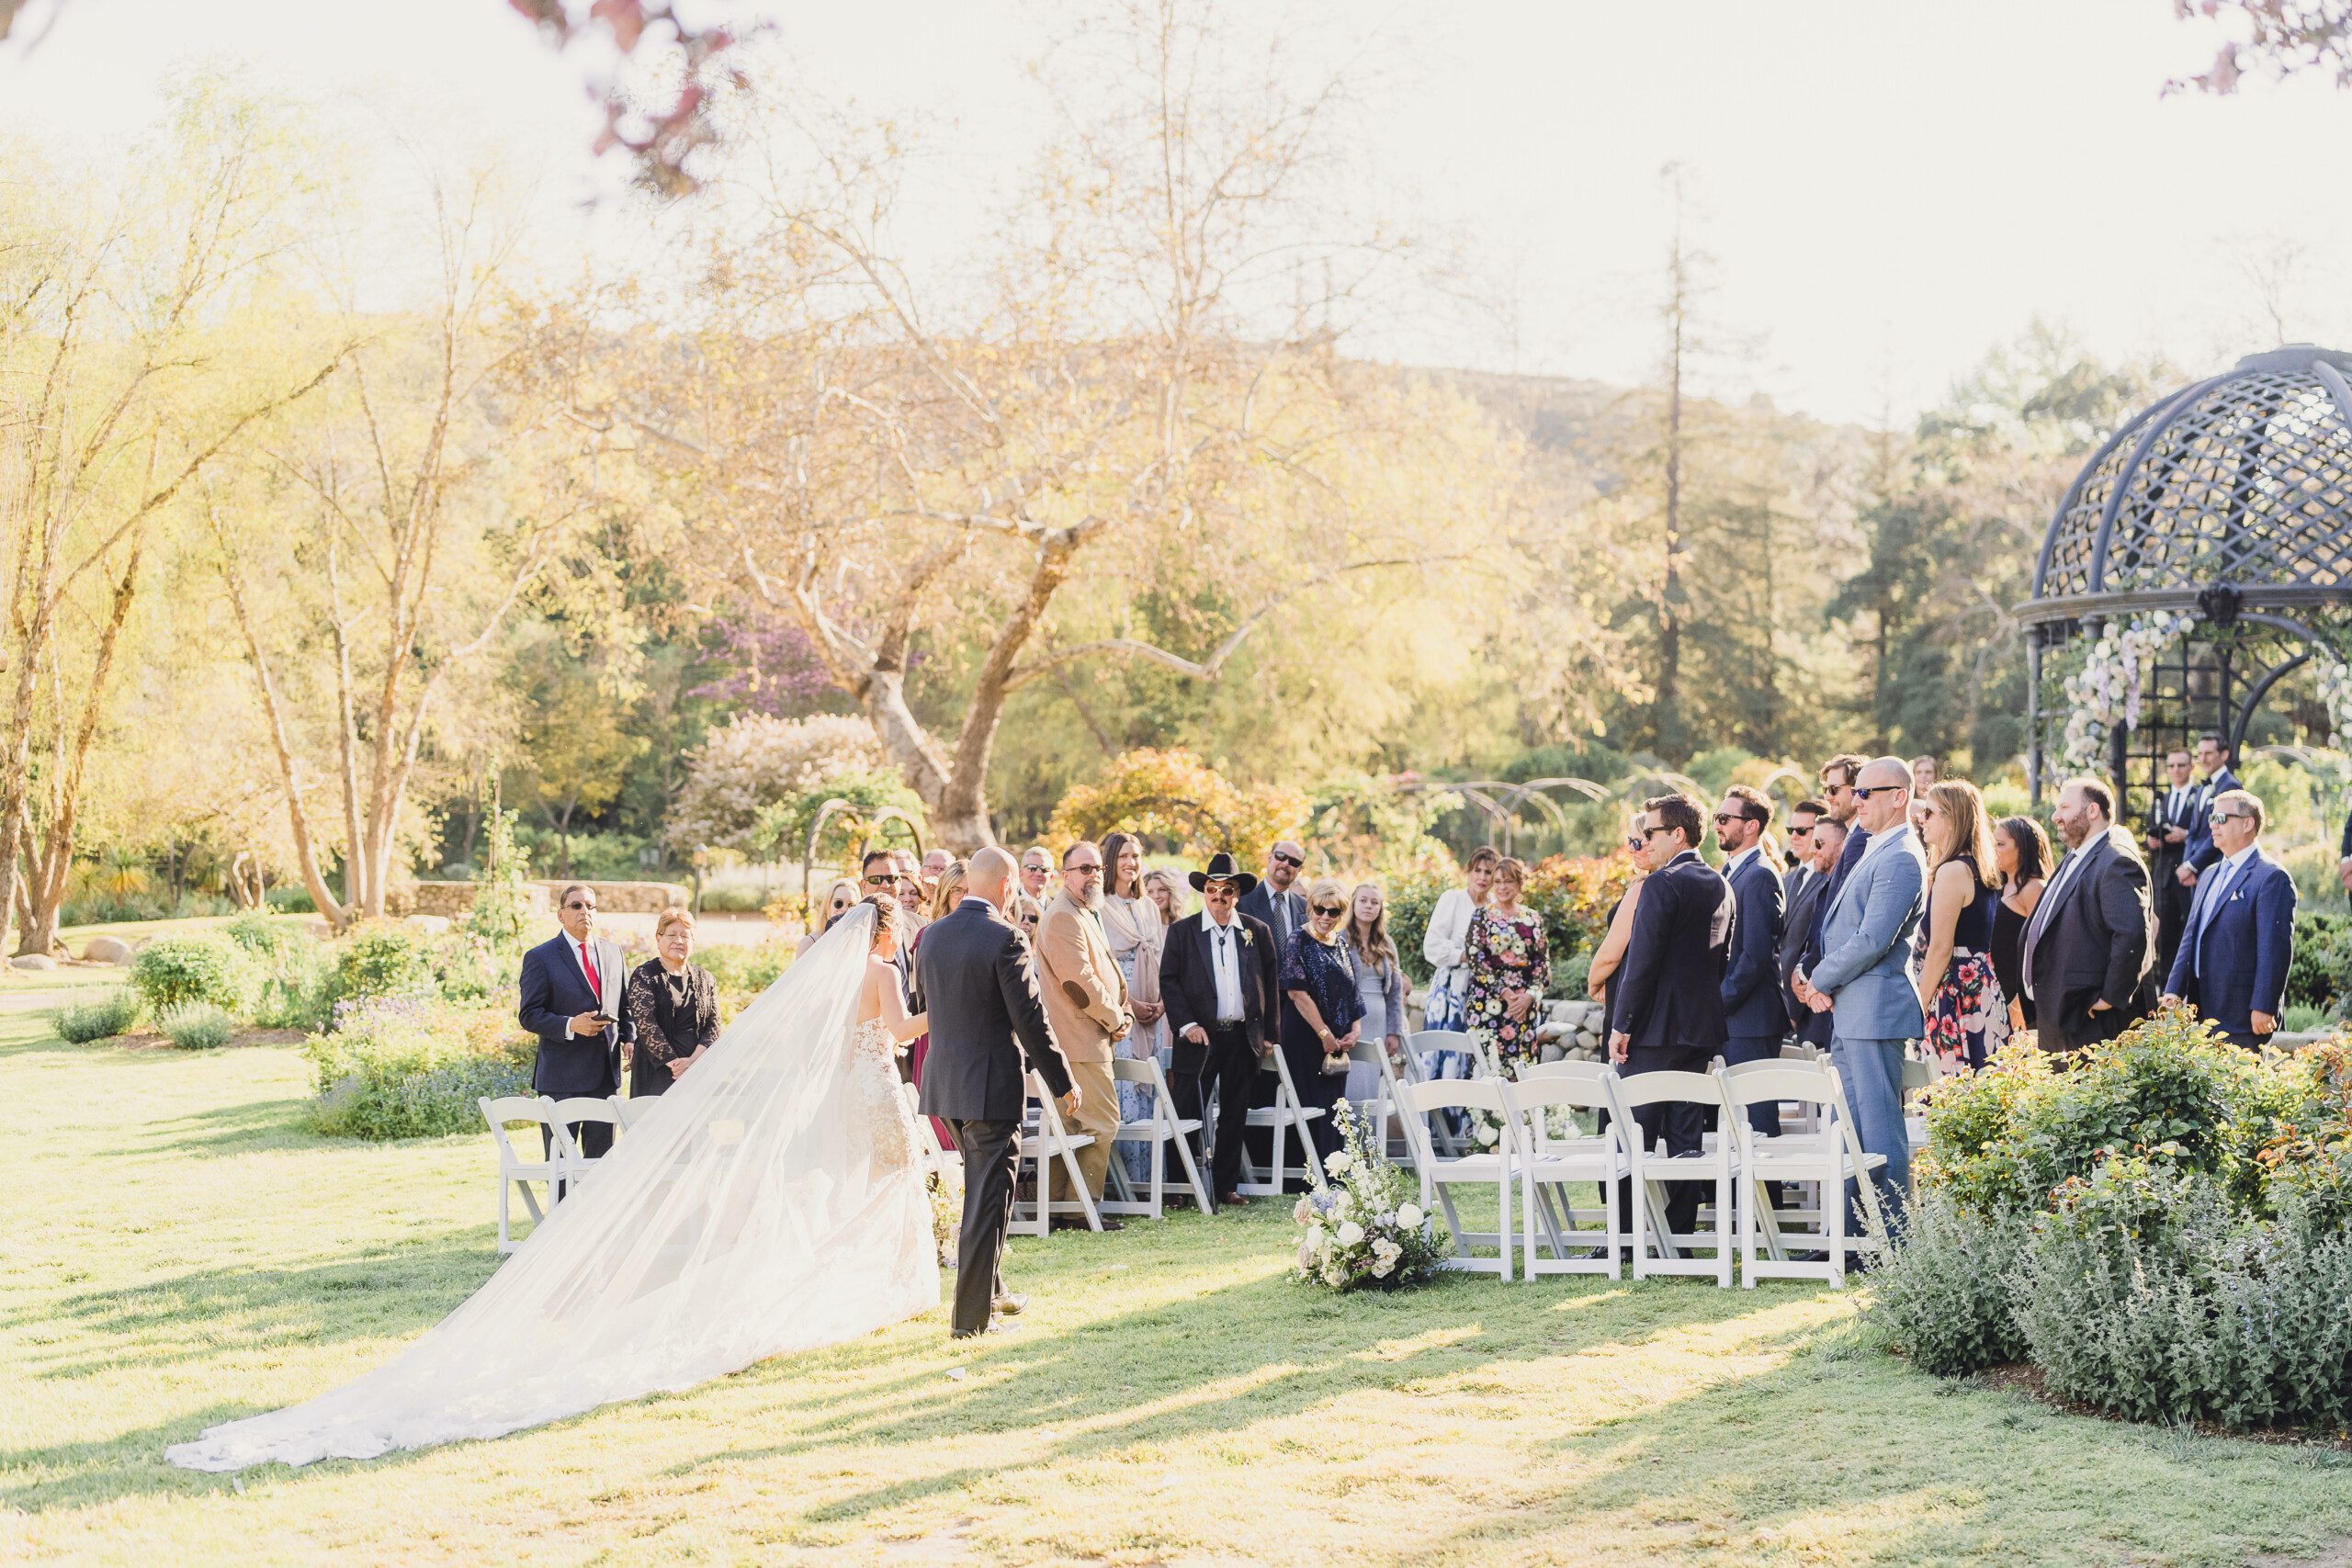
746,1214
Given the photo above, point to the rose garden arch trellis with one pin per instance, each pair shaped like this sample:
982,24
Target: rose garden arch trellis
2203,555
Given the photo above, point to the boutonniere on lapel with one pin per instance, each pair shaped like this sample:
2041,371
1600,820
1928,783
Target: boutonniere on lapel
1248,936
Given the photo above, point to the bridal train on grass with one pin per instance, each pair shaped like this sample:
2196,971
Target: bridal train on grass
768,1203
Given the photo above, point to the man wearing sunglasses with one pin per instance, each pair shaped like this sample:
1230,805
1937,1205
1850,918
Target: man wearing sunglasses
570,998
1275,900
1838,777
1868,979
2231,965
1669,1013
1754,1020
1217,976
1086,1003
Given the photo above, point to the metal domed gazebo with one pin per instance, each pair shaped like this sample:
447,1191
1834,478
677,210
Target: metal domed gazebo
2202,556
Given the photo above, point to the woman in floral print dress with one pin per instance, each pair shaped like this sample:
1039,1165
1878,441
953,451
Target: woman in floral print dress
1511,964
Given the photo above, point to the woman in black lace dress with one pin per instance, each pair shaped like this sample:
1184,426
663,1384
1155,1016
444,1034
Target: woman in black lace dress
675,1006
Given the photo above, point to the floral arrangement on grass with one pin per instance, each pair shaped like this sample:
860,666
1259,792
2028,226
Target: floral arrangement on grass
1365,1227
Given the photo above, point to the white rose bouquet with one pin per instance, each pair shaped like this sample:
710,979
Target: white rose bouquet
1365,1228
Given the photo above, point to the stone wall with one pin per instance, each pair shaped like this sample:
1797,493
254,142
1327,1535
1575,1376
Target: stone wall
454,898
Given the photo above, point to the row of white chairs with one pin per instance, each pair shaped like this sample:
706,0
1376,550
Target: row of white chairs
1534,1158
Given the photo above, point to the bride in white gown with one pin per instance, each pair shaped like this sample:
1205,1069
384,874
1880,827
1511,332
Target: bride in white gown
768,1203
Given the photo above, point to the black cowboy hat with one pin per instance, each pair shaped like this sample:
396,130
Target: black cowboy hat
1222,869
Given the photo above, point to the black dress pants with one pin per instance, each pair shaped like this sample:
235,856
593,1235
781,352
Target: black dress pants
992,1152
1228,1064
1317,1090
594,1140
1682,1125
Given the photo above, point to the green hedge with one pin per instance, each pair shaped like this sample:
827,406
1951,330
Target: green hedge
2162,1226
206,967
407,1069
104,1017
2319,973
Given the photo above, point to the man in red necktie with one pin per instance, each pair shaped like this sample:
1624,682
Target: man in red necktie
570,999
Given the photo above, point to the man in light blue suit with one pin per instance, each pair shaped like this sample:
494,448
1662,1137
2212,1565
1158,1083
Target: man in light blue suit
1867,979
2240,934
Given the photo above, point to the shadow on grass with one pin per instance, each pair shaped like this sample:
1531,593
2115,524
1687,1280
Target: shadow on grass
191,1317
237,1129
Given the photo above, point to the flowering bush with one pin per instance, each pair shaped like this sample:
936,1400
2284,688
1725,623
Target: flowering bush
1365,1227
408,1067
1174,795
756,762
2105,691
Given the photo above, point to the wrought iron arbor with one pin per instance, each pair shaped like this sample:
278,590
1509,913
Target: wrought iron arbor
2228,501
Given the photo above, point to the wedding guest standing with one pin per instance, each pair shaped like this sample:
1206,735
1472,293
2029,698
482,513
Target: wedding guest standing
2200,852
1754,1016
2231,965
673,1008
839,898
1216,974
1959,989
1086,1006
1827,840
2170,816
1801,816
2021,854
1669,1012
1322,1012
1160,887
1445,945
1511,965
1036,870
1136,931
1276,900
570,998
1380,978
1867,978
2088,957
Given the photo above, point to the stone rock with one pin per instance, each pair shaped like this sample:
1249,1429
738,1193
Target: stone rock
106,949
33,961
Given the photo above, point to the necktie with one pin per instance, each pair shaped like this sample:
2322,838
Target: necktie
595,981
2212,903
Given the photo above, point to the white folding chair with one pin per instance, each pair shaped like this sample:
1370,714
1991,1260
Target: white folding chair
1044,1140
1550,1160
1440,1174
1819,1152
1377,1111
1288,1116
513,1170
1652,1168
1157,1130
585,1108
1444,1136
1916,1075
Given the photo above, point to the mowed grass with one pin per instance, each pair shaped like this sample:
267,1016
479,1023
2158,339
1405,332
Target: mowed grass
181,1251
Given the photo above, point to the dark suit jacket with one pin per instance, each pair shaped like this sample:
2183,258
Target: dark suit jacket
1259,904
2199,851
1188,977
988,1028
2165,859
553,992
1856,841
2095,945
1797,931
2246,944
1751,988
1670,990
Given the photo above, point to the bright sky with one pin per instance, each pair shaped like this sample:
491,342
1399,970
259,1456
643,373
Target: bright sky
1888,191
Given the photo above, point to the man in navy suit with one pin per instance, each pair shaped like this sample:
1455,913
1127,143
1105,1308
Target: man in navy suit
2199,853
572,1001
1754,1020
2231,965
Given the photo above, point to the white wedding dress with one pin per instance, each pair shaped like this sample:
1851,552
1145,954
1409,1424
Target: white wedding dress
768,1202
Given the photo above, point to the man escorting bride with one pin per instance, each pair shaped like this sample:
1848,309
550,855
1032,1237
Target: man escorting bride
769,1202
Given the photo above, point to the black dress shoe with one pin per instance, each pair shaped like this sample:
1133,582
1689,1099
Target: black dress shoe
1233,1201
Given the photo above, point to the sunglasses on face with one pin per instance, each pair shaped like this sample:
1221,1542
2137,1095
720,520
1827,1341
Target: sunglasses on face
575,904
1291,861
1863,792
1328,911
1086,870
1723,817
1633,841
881,879
2220,817
1218,890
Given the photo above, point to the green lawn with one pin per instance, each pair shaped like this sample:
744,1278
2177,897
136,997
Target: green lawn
181,1251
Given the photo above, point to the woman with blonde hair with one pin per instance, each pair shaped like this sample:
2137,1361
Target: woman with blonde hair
1161,887
1322,1012
840,899
1968,1018
1380,978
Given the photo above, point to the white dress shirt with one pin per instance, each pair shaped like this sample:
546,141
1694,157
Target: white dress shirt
1224,960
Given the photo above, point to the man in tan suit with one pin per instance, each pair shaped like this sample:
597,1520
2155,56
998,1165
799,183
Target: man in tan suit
1086,1003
